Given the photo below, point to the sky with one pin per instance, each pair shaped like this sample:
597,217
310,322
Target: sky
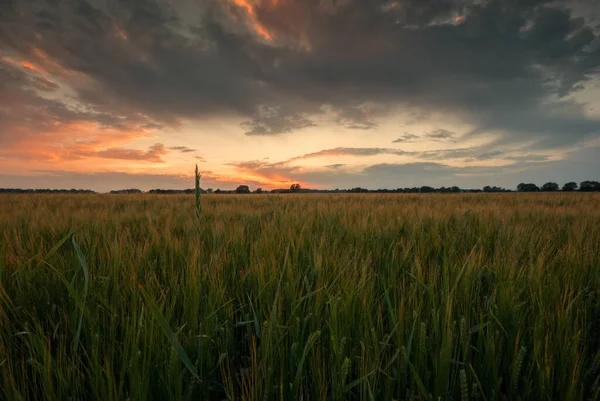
103,94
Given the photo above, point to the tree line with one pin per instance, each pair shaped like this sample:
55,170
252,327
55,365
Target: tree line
584,186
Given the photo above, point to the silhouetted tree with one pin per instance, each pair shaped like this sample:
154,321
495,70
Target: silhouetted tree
569,186
358,190
126,191
426,189
258,191
242,189
550,187
589,186
45,191
527,187
174,191
295,187
487,188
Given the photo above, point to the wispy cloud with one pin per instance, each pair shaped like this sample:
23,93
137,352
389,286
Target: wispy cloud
183,149
406,138
153,154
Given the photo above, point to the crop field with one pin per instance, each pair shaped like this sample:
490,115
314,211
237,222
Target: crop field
300,296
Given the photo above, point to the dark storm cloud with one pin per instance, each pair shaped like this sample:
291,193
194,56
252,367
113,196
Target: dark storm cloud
503,65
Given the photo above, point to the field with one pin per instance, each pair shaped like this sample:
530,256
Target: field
313,297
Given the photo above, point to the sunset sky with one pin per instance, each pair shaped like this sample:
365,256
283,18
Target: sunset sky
105,94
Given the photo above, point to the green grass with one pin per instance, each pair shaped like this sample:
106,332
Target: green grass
314,297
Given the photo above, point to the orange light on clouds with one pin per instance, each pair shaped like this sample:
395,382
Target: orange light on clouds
50,66
80,144
120,33
460,19
259,28
32,67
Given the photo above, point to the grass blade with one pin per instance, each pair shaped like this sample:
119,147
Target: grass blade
160,318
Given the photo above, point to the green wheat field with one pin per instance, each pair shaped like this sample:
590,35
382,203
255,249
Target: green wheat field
300,297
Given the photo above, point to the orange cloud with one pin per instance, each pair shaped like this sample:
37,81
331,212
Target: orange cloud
50,66
120,33
259,28
58,142
40,63
32,67
153,154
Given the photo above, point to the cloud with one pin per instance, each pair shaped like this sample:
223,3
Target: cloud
341,151
504,57
275,121
33,126
537,169
355,117
440,135
406,138
153,154
183,149
85,72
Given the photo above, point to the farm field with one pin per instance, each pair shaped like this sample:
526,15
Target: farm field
300,296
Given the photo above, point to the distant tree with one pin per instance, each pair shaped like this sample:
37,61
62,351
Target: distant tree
295,187
426,189
258,191
550,187
527,187
569,186
218,191
358,190
455,189
589,186
242,189
126,191
487,188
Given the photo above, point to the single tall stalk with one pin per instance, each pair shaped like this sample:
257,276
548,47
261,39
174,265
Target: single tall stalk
198,204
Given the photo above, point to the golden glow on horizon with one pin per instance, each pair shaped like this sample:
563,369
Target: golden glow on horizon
267,179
